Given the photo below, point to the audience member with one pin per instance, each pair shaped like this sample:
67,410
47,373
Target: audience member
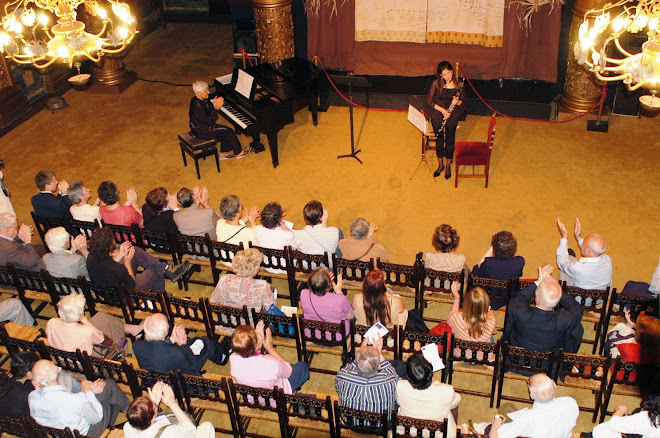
474,322
45,204
73,331
273,233
62,261
419,395
549,417
541,327
13,310
158,211
362,245
241,288
203,114
196,217
232,227
646,346
80,195
377,304
16,245
369,383
645,423
500,261
324,300
157,352
317,237
622,332
5,193
113,212
445,241
90,411
16,384
654,286
594,269
250,367
107,268
144,421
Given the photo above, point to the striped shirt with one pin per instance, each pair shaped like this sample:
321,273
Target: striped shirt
460,329
374,394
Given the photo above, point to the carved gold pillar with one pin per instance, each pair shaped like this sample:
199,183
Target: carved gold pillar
274,24
110,75
582,90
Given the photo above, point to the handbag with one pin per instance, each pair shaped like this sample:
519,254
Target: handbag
440,329
274,310
109,349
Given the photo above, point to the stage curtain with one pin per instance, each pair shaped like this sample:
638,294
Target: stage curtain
532,56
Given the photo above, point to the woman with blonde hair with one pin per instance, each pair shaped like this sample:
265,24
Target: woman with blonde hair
475,321
377,304
241,288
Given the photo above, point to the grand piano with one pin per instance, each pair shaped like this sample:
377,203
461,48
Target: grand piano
281,89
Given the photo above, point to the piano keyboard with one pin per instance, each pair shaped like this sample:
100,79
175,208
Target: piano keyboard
235,115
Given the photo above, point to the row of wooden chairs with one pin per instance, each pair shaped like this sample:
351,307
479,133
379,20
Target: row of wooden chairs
25,426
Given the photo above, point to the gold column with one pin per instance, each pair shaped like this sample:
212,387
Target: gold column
274,24
582,90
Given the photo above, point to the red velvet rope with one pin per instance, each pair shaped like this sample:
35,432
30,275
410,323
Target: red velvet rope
245,55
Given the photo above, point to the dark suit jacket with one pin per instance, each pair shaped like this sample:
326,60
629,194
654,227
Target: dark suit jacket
22,256
540,330
164,356
49,205
500,269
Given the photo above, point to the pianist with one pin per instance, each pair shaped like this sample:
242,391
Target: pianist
203,114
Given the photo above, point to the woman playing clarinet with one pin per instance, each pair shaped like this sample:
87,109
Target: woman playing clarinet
443,106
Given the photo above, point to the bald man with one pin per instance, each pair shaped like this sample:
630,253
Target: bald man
553,323
549,417
594,269
159,353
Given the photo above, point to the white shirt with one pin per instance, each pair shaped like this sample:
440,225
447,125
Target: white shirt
274,238
317,239
586,273
636,424
554,419
183,430
87,213
54,406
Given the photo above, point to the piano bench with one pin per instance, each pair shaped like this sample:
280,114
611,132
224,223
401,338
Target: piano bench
198,148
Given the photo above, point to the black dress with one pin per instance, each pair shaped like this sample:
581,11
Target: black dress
442,97
202,125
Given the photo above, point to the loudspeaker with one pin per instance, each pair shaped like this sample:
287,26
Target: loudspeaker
245,36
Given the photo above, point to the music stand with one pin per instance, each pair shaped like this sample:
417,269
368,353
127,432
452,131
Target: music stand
351,81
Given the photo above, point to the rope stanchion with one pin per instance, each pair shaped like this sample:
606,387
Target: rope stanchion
246,55
524,119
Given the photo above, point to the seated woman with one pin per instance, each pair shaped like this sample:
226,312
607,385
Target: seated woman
419,395
80,210
107,267
143,420
16,384
646,346
73,331
445,241
241,288
250,367
377,304
500,261
273,232
645,423
324,299
475,321
115,213
622,333
158,211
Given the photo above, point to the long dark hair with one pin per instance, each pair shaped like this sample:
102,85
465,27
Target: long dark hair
442,66
651,404
374,296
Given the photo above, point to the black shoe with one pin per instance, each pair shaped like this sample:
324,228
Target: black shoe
174,273
448,172
438,171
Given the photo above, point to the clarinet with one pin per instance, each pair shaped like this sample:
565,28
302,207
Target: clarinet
451,107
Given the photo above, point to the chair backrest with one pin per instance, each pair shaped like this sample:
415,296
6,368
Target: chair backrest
593,301
126,233
111,296
280,326
438,282
184,308
403,427
626,374
523,361
491,133
243,396
62,286
200,388
12,344
218,316
473,353
365,422
412,342
390,340
326,334
308,408
33,281
6,279
616,305
351,270
300,266
403,276
82,227
274,258
43,224
39,431
222,253
139,304
67,360
499,291
142,379
100,368
164,243
14,425
196,246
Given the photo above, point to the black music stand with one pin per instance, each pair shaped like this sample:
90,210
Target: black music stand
357,81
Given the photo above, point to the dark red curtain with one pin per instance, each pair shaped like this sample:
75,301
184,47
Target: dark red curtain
531,56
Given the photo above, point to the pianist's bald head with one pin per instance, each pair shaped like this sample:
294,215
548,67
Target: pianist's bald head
200,87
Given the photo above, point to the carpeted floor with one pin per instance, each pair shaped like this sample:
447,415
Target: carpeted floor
539,171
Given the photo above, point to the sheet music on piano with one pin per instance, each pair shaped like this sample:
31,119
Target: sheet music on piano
244,84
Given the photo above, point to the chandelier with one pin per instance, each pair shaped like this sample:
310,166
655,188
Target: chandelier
598,46
27,37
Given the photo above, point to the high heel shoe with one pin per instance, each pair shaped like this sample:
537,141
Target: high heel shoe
448,172
438,171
